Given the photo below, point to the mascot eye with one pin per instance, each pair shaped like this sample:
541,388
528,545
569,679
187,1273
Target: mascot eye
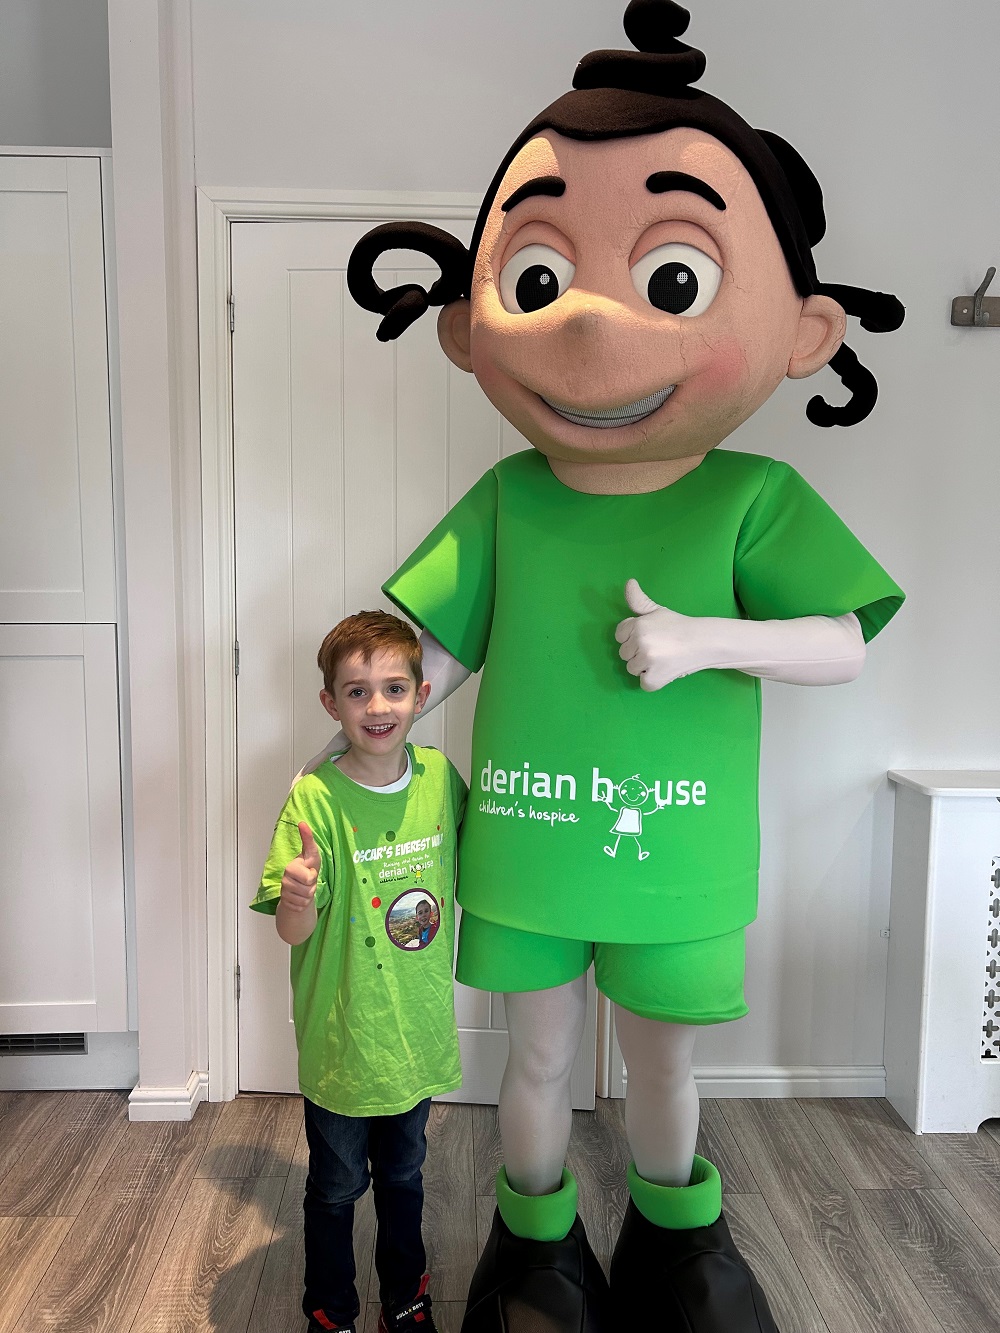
535,277
677,278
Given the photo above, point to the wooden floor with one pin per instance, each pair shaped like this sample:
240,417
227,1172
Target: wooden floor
851,1222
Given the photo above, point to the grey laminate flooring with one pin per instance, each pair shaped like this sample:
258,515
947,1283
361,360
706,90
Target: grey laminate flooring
852,1223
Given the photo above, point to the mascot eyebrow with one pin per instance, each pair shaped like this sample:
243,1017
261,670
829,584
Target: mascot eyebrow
663,181
554,185
618,94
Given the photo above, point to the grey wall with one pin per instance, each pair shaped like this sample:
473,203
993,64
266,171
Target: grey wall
884,103
54,89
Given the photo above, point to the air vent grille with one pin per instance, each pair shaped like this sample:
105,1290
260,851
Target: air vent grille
990,1049
44,1043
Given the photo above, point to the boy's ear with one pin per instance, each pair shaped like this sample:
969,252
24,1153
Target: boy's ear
822,328
422,694
454,332
329,703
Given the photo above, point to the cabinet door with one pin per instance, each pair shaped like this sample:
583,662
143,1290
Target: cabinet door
56,524
62,947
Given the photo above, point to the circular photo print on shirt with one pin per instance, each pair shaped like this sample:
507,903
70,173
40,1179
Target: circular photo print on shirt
413,920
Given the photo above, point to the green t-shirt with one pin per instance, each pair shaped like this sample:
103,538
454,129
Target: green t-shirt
373,994
599,811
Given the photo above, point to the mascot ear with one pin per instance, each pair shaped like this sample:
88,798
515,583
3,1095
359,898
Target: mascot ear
822,328
454,332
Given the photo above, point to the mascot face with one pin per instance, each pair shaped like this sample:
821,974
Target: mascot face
630,300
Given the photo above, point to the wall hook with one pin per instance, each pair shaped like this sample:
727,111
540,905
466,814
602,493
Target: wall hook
979,310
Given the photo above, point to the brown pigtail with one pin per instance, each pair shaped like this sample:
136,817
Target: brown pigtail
879,312
400,306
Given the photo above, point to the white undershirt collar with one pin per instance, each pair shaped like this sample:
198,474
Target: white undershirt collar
398,785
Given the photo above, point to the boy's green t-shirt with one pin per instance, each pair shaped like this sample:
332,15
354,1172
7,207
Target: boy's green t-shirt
599,811
373,991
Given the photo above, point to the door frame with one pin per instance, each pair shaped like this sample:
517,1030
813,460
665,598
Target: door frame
217,210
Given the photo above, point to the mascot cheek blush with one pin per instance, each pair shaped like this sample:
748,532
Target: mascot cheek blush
640,280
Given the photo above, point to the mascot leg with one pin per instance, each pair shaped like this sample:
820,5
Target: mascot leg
675,1265
538,1271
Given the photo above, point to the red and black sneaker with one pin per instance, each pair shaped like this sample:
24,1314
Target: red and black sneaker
414,1317
320,1322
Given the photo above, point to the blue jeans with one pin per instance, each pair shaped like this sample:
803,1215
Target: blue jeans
340,1150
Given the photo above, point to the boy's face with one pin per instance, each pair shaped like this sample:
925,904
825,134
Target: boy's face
423,915
375,702
643,313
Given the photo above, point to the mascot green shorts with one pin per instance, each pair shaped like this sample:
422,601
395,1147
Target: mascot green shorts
697,981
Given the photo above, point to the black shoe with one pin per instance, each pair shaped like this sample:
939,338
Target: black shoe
316,1327
415,1317
696,1281
537,1286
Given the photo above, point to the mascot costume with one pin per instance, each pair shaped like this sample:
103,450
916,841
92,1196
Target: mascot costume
639,281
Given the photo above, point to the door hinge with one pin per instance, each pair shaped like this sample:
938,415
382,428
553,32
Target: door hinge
232,314
238,983
236,658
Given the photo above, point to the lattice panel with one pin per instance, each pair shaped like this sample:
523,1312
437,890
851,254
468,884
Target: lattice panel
991,1003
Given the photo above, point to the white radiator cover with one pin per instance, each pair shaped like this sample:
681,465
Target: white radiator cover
942,1030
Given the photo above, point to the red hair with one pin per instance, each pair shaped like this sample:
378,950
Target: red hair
368,633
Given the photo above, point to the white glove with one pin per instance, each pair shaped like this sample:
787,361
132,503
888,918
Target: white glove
659,645
445,674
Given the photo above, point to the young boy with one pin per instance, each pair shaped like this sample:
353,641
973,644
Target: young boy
374,1022
427,928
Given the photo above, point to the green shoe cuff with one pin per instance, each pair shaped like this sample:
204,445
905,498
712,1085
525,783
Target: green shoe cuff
538,1217
679,1208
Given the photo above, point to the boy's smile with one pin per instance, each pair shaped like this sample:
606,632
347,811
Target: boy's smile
376,703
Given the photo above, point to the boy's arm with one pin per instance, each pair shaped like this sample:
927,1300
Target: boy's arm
295,917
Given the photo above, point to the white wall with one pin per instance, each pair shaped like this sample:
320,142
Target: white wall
54,85
885,104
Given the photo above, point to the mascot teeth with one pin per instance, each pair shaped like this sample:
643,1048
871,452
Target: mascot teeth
615,416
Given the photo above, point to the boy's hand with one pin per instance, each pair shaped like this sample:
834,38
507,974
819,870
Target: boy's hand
298,883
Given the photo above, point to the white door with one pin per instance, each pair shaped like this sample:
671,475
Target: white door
346,452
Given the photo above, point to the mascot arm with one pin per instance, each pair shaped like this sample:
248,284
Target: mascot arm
659,645
444,672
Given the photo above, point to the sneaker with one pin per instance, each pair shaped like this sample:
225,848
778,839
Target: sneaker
415,1316
319,1323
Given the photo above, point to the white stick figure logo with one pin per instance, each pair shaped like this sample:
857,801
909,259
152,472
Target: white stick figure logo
634,796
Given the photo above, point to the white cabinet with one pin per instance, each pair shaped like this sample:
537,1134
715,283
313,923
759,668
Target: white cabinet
942,1024
62,948
56,518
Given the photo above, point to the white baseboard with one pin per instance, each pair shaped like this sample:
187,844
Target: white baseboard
168,1103
791,1080
777,1081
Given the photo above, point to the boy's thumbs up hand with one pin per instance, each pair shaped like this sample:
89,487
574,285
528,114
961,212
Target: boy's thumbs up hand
659,645
310,852
298,883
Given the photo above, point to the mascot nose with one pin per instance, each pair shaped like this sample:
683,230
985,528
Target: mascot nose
585,324
592,327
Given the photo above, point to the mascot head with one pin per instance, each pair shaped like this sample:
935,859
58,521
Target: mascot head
640,277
